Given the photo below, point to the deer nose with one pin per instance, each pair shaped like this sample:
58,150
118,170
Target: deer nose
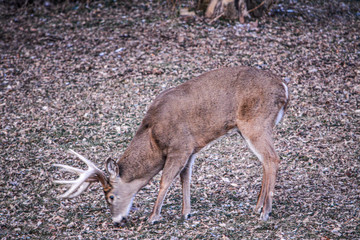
121,223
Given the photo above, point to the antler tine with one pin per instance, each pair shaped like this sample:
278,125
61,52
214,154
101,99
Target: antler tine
99,174
64,181
85,178
69,168
88,162
81,189
76,185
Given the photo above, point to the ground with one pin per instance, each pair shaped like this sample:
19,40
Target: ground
82,76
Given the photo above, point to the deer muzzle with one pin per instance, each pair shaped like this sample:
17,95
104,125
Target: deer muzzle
120,221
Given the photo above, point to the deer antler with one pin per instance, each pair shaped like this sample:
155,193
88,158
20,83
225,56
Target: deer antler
86,178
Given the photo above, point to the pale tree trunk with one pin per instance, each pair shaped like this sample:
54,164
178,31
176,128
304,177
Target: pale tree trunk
236,9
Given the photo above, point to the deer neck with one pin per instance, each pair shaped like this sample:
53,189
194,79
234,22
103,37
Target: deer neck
142,159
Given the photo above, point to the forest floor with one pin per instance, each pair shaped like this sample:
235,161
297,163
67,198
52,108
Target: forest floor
82,76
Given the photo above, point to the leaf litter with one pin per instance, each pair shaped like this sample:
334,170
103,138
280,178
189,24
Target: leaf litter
82,76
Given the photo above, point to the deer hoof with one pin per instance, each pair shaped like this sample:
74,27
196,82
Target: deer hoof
122,223
264,216
258,209
154,219
186,216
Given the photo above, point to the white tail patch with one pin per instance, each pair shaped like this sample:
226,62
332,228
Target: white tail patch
286,91
281,112
279,116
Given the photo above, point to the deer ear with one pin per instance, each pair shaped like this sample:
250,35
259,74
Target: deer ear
112,168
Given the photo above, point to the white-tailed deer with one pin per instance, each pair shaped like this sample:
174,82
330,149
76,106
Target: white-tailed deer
180,122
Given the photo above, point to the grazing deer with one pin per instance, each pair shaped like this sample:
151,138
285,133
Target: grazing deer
183,120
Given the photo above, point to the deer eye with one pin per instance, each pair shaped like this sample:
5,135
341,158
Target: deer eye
111,197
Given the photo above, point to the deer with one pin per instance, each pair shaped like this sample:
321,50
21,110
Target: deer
178,124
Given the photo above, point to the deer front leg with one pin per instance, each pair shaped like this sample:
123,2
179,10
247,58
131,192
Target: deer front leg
185,177
173,165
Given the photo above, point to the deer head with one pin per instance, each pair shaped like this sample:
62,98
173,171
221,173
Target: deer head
118,193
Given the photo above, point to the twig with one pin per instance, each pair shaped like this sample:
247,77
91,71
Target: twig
112,229
19,50
51,38
222,14
262,3
25,4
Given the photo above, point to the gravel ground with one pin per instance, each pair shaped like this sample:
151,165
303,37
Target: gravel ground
82,77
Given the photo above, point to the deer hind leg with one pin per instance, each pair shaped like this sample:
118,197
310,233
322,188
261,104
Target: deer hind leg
185,176
261,143
174,164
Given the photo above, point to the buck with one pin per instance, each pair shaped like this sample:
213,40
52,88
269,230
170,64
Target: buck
180,122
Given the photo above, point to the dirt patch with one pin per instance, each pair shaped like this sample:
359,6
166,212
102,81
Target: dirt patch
82,77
